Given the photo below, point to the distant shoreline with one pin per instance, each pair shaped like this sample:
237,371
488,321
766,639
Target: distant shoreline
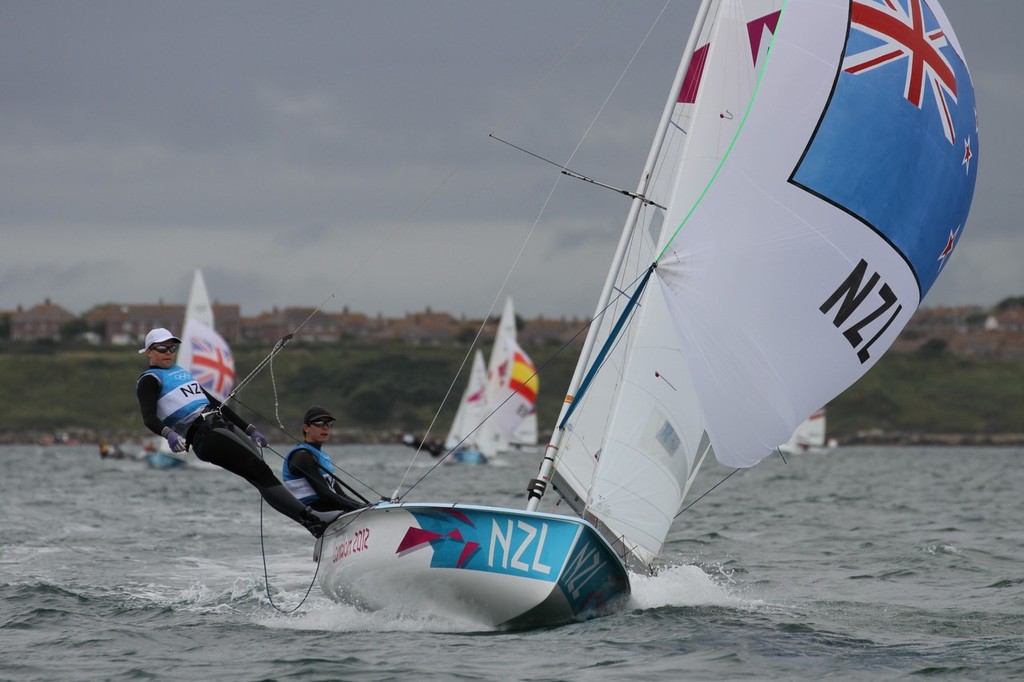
882,438
373,437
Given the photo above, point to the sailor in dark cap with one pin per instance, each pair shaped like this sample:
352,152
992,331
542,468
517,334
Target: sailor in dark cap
308,471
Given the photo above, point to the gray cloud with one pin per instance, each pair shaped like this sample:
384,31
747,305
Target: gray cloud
295,150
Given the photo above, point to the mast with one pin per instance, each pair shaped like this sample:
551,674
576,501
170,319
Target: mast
538,485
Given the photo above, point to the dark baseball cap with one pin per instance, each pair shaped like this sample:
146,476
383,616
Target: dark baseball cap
314,413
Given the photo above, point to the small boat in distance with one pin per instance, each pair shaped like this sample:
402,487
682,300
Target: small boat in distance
498,406
809,437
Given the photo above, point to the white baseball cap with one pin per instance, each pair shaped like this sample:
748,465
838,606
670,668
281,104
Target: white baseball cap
158,335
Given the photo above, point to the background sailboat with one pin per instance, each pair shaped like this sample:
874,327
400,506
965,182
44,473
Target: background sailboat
205,354
798,201
498,405
470,412
809,437
203,351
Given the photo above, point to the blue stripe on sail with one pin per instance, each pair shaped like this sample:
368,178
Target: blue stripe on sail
612,337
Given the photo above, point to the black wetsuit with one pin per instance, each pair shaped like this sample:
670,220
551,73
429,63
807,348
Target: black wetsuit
219,438
303,463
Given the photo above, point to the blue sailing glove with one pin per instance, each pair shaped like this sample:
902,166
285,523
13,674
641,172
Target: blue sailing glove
256,437
175,442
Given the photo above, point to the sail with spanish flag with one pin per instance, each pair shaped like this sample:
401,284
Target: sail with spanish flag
510,395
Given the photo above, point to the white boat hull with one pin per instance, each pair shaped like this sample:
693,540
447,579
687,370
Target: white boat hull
493,566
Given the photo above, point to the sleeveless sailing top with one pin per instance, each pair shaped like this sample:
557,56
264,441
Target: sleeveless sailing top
296,483
181,398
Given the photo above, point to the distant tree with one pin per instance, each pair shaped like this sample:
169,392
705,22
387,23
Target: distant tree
976,320
73,329
933,348
1010,303
370,405
5,327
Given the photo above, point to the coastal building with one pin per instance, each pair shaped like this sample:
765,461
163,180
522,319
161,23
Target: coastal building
127,324
40,322
964,330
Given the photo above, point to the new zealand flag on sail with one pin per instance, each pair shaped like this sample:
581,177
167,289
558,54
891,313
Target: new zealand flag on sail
897,144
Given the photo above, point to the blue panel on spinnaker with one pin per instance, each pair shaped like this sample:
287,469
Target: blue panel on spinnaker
897,145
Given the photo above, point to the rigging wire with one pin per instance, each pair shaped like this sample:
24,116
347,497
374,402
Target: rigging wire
316,572
278,347
363,262
727,477
525,99
536,221
386,239
579,176
266,574
706,493
488,416
538,370
268,361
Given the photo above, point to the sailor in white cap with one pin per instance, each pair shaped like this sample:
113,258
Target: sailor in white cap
176,407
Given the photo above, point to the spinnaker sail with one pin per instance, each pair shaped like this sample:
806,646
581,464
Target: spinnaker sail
801,228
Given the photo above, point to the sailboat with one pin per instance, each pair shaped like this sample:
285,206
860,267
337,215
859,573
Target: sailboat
498,407
206,355
809,437
812,171
469,414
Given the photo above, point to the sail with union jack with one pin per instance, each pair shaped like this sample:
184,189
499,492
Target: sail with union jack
211,363
903,122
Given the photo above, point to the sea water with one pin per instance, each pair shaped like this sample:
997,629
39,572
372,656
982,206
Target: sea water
860,564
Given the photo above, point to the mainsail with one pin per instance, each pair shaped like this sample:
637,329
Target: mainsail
813,172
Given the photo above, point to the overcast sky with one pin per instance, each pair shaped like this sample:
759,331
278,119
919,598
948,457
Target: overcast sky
299,150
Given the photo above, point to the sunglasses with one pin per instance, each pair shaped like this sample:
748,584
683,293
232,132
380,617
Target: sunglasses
322,423
165,349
